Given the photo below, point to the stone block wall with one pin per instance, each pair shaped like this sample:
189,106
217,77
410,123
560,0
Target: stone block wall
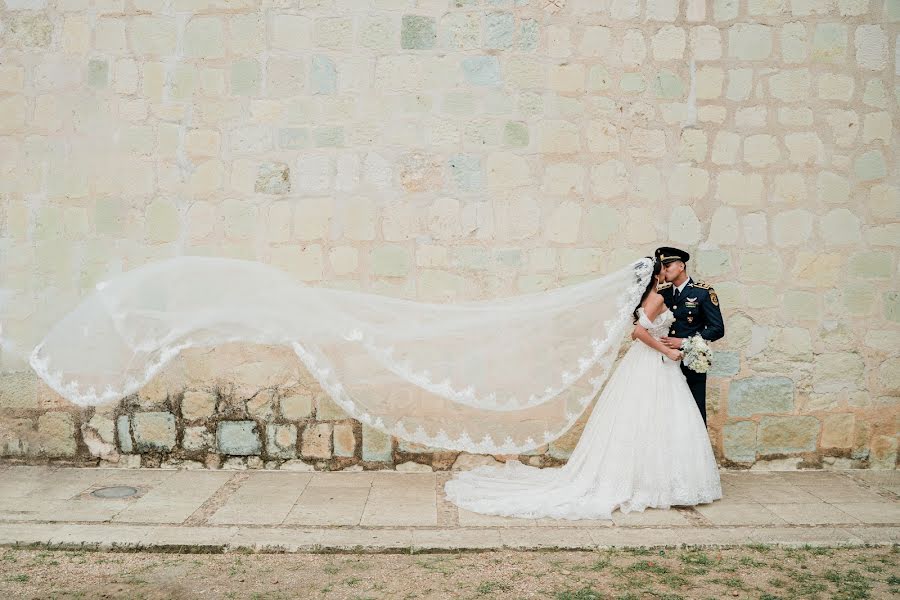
448,150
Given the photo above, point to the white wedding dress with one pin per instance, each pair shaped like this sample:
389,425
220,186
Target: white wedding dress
644,446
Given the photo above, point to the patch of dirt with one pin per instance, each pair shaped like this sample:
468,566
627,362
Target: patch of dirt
757,572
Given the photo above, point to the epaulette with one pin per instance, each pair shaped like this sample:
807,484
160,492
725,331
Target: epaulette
702,285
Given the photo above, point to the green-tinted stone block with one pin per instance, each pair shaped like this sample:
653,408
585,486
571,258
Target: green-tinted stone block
418,33
725,10
871,265
830,43
515,134
740,441
331,136
870,166
377,446
499,28
712,263
390,261
725,364
245,78
875,93
529,35
323,75
754,395
109,216
238,438
633,83
97,73
669,86
465,169
482,70
892,10
892,306
599,78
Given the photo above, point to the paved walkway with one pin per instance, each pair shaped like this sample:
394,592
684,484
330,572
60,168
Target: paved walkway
387,512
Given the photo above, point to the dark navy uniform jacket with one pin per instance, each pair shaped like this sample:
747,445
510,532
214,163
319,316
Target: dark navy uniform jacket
696,311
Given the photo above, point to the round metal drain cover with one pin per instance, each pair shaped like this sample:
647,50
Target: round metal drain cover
117,491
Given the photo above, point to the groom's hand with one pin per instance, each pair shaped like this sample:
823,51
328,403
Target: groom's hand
672,342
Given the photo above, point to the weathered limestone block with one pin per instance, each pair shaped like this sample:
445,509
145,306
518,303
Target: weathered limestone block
835,371
749,41
197,405
376,446
19,390
316,440
281,440
100,438
56,435
884,452
887,377
197,438
344,440
239,438
296,406
154,431
760,395
740,441
273,178
837,430
123,433
725,364
783,435
262,405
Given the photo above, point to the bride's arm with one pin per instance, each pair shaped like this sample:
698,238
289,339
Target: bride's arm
652,310
642,334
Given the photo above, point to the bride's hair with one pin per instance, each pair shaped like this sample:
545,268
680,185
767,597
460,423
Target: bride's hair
654,281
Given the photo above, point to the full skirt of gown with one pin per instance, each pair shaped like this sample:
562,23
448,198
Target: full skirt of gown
644,446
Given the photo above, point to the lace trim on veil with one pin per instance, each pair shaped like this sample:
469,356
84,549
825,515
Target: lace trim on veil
598,352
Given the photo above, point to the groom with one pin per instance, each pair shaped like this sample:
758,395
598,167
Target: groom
696,309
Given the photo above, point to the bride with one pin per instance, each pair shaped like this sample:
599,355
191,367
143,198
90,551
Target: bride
644,446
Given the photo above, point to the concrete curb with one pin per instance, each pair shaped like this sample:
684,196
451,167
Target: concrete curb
218,540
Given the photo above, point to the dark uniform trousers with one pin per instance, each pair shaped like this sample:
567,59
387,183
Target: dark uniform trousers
697,382
696,311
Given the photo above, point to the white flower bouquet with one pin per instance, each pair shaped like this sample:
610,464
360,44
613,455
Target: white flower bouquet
697,354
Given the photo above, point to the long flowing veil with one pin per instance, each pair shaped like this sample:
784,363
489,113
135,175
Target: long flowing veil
495,376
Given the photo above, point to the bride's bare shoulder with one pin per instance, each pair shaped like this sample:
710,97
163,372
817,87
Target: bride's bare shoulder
653,306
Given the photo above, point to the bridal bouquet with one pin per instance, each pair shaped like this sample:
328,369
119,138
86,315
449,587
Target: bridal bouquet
696,354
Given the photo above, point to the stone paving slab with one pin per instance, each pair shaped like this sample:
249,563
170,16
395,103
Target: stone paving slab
274,511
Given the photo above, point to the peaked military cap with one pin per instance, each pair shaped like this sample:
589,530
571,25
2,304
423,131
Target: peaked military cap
666,255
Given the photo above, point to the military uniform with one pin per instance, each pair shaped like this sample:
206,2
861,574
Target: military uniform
696,310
